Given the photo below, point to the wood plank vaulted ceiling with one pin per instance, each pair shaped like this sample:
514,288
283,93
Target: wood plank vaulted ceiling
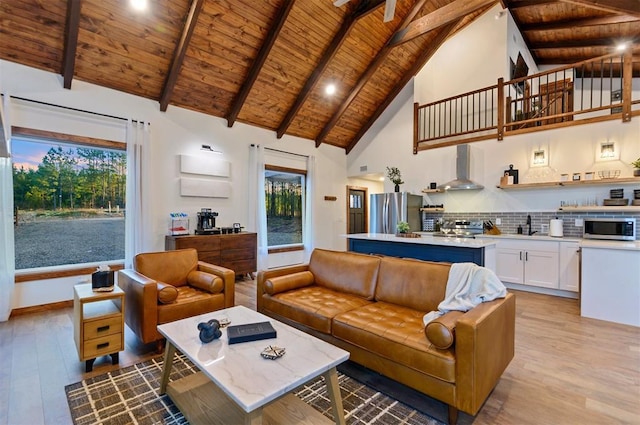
267,62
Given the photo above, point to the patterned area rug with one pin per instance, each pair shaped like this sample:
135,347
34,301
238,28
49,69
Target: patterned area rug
130,396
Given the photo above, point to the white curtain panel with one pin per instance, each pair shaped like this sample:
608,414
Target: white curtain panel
7,252
137,216
257,204
307,237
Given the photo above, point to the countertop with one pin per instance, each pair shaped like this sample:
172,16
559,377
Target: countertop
534,237
616,245
425,239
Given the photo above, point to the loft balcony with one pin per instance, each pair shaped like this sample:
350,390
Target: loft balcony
596,90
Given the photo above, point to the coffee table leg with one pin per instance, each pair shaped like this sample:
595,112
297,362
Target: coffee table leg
169,351
254,417
331,381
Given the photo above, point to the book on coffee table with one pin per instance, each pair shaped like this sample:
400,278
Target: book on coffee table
250,332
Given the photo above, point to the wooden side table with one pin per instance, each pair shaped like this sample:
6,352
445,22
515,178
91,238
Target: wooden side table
98,323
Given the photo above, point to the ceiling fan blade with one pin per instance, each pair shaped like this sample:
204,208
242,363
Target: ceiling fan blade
339,3
389,10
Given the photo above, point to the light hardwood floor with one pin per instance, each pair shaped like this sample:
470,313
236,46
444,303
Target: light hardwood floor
567,369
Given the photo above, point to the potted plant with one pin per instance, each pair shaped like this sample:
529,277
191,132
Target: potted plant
394,175
402,227
636,167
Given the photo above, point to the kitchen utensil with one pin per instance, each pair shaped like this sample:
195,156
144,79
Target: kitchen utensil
609,174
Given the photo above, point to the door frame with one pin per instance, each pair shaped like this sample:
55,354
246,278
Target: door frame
366,208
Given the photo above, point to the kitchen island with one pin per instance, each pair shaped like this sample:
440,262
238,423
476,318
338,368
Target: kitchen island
426,247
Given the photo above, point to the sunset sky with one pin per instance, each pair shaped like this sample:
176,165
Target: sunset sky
28,154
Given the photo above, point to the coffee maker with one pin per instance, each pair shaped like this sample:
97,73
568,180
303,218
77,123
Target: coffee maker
207,222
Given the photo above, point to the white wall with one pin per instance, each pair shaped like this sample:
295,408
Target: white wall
175,132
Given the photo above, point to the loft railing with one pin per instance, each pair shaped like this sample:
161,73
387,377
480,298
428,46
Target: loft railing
595,90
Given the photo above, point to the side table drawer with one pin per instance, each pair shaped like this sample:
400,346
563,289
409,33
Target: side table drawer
102,327
101,346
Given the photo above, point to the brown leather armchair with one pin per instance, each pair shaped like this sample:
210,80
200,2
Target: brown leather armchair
171,285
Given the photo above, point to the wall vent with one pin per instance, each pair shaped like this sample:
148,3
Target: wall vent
363,168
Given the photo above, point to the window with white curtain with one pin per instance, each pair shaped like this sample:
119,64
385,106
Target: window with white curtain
69,201
285,206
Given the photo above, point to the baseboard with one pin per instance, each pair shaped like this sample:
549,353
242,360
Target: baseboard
40,308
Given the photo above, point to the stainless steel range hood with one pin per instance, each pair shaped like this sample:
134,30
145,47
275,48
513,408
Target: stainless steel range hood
463,165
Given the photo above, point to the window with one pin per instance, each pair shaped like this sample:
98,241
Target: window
284,196
69,201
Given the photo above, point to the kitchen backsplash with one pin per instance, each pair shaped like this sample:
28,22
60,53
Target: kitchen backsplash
511,220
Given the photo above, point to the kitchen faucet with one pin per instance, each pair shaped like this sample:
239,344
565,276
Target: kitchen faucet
529,226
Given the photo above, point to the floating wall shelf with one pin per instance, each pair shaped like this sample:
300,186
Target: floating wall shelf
600,209
550,185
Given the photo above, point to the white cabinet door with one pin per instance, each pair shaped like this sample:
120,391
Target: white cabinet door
569,266
541,268
509,265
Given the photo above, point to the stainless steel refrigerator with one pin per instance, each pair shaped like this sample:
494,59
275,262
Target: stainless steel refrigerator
387,209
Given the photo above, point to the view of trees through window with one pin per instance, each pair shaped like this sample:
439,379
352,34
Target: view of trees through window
284,205
69,203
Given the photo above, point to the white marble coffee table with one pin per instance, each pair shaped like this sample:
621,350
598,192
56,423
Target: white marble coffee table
236,385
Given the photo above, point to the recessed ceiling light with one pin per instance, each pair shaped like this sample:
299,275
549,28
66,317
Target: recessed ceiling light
139,4
621,46
330,89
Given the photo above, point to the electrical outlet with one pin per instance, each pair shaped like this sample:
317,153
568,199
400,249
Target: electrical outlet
498,221
579,222
544,228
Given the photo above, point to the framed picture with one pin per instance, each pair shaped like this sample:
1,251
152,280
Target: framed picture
540,157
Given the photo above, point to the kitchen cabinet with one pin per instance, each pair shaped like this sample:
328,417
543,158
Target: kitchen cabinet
533,263
569,266
235,251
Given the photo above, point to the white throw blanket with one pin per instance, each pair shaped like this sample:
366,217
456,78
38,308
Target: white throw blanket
467,286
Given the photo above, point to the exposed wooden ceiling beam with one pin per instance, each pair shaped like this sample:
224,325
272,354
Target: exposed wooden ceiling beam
181,50
630,7
576,23
442,36
363,9
373,66
439,17
259,61
70,42
570,44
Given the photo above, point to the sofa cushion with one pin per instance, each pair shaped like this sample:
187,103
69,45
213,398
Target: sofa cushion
171,267
313,306
396,333
166,293
416,284
190,302
441,331
206,281
346,272
288,282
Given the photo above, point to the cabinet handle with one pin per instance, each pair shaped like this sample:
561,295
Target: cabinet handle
103,345
526,256
103,328
520,255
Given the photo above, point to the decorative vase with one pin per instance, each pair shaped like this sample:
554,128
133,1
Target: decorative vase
397,188
636,173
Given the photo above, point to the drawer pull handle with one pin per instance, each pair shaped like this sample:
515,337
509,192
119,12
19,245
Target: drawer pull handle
103,328
103,345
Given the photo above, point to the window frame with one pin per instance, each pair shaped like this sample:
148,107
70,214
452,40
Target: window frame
298,246
65,270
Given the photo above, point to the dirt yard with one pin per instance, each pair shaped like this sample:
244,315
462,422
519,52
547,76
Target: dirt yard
53,242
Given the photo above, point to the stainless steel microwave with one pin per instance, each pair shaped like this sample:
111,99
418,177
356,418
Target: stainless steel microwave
619,229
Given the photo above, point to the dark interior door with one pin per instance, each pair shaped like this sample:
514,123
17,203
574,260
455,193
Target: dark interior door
357,211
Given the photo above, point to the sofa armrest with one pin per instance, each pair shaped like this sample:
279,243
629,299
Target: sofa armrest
265,275
141,304
228,276
485,340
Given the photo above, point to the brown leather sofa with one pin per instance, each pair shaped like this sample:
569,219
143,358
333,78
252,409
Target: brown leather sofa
171,285
373,307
